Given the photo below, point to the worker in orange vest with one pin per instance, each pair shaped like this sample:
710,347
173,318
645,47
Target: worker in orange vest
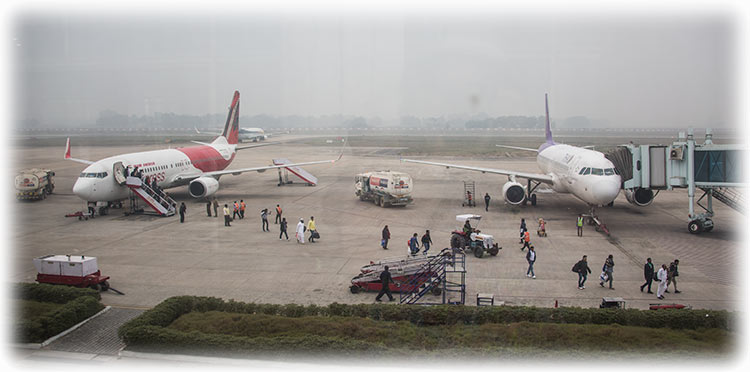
242,209
236,210
278,215
526,240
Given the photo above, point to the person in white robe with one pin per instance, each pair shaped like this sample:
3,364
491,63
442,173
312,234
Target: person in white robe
662,276
301,231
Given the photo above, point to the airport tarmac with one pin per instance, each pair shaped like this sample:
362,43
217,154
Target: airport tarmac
152,258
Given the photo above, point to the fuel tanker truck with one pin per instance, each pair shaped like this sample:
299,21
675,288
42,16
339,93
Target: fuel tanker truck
384,188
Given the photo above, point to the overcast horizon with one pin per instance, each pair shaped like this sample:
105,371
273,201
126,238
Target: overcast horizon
628,71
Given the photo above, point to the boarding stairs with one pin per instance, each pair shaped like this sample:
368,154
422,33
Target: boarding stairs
160,202
438,276
730,196
304,175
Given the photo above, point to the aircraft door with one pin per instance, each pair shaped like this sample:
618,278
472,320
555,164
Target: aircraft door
118,170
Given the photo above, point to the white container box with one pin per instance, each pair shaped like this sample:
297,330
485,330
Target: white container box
66,265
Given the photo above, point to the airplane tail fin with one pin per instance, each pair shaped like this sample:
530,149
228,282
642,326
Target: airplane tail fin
232,127
547,130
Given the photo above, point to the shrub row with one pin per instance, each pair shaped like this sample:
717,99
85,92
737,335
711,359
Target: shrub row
168,311
70,314
58,294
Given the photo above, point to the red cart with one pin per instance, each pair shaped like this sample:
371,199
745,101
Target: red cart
78,271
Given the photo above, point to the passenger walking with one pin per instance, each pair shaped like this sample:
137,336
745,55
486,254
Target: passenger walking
313,230
522,230
661,276
414,244
526,240
583,270
531,258
608,269
579,225
300,231
264,219
216,208
648,274
278,214
282,227
386,235
183,208
385,282
242,209
236,211
226,216
487,202
542,227
672,276
426,242
208,208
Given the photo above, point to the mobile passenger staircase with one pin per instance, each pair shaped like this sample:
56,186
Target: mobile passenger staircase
159,202
712,168
443,275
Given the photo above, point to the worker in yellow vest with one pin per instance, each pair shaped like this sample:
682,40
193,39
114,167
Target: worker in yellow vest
579,225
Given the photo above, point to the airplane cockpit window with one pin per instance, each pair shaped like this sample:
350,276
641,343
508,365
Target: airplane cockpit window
597,171
617,172
609,172
582,170
587,171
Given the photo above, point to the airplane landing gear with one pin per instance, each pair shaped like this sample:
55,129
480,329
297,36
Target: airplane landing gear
593,220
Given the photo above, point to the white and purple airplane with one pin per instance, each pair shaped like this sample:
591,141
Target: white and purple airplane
587,174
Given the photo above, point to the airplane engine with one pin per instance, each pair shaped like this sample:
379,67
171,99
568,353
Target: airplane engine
203,186
639,196
514,193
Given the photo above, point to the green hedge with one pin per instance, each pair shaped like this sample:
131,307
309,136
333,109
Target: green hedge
149,327
79,304
58,294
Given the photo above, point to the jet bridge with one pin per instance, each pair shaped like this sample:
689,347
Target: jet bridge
714,169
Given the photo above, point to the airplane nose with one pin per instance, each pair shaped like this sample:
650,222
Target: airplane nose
606,191
82,189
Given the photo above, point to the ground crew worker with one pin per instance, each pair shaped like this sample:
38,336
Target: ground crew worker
579,225
487,202
282,227
182,212
385,281
226,216
526,240
468,197
216,208
236,210
208,208
264,219
311,227
242,209
278,214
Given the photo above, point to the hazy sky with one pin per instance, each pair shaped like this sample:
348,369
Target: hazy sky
632,71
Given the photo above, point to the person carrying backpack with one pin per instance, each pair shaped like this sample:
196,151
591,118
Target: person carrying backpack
583,270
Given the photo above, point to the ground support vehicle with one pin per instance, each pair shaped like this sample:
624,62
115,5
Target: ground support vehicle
34,184
402,271
78,271
80,214
477,242
384,188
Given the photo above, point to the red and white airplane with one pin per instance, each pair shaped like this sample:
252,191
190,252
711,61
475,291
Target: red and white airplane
199,167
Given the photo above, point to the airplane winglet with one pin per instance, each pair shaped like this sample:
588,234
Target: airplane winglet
67,149
547,130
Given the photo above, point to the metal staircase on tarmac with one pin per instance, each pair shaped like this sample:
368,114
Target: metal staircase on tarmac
732,197
442,275
160,202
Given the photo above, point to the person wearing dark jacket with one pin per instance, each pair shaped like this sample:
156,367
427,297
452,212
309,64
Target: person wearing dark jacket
208,208
672,276
522,229
486,202
183,208
582,268
282,226
426,242
531,258
608,268
385,280
648,274
385,237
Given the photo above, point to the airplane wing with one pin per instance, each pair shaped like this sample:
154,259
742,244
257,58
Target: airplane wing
68,157
518,148
236,172
532,176
258,145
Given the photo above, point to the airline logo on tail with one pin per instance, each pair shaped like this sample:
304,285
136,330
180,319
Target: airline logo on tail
232,127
